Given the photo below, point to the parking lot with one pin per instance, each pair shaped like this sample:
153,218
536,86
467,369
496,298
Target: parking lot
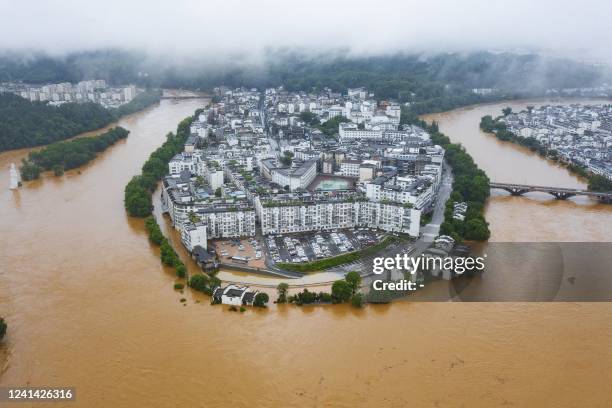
242,252
306,247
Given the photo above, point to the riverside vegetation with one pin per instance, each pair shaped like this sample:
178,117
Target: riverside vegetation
499,129
138,192
27,124
470,185
342,291
3,328
168,255
61,156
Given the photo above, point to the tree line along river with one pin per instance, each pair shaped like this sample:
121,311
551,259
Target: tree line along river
90,306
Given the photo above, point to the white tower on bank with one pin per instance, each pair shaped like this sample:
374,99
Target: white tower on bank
14,177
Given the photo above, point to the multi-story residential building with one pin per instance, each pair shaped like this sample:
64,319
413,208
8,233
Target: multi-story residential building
288,213
350,131
293,178
350,168
404,190
184,161
224,218
194,234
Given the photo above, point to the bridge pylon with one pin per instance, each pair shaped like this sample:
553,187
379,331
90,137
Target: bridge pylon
561,195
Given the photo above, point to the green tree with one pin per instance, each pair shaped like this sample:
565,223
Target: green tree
476,229
341,291
600,183
167,254
287,158
214,282
507,111
3,327
309,118
58,170
354,281
218,192
155,234
29,171
357,300
282,290
261,299
199,282
181,270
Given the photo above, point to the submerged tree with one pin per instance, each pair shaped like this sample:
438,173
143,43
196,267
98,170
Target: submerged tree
282,289
3,327
261,299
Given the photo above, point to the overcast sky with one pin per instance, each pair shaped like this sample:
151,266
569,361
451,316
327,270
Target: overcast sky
578,28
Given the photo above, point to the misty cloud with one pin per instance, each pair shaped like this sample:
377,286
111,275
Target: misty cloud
232,28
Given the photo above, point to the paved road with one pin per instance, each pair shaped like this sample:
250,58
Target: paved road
432,230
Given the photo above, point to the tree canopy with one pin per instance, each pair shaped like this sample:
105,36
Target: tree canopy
60,156
26,124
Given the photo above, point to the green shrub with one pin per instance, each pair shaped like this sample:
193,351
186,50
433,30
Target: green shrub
341,291
181,270
199,282
354,280
357,300
282,289
261,299
3,328
155,234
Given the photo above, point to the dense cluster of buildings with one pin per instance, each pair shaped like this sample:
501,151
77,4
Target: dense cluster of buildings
265,163
85,91
580,134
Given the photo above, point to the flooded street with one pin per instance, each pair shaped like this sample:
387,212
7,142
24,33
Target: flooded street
89,306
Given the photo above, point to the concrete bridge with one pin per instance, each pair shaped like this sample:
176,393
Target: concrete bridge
558,192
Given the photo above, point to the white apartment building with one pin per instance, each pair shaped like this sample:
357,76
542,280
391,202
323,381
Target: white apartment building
297,177
194,234
215,179
403,190
350,168
349,131
184,161
281,216
223,218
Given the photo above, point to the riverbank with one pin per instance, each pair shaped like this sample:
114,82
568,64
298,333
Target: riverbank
538,217
498,128
25,124
470,186
67,155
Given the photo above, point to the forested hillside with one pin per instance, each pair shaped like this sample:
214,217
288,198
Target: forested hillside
26,124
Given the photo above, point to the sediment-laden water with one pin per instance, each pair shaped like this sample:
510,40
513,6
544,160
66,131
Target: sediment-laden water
89,306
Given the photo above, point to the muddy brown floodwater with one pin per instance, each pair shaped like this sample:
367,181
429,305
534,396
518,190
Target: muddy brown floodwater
89,306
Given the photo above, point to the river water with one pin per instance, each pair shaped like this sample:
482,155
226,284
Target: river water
535,217
89,306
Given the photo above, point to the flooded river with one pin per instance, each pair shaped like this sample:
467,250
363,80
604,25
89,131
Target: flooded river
536,216
89,306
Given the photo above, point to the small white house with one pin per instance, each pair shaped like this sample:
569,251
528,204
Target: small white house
234,295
